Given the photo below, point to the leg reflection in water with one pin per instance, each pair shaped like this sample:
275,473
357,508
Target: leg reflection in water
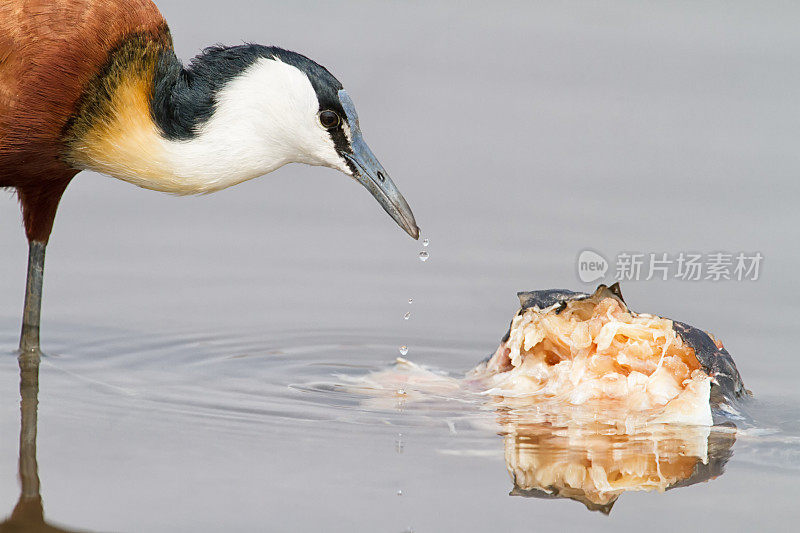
28,514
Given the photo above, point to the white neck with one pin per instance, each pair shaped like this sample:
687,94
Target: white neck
263,119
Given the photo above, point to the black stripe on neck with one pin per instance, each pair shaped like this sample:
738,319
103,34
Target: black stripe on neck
184,98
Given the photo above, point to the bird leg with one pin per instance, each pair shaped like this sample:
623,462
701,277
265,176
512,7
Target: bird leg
39,204
29,339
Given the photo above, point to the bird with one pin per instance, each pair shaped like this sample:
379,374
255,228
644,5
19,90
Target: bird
96,85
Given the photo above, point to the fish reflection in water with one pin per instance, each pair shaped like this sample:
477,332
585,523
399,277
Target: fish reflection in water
596,464
554,452
28,513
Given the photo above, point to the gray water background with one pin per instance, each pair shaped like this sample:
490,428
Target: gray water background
520,134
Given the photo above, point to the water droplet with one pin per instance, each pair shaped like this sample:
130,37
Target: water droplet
399,492
399,445
407,315
425,242
423,256
401,392
410,301
403,350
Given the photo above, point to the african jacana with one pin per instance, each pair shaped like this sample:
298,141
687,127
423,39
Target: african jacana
96,84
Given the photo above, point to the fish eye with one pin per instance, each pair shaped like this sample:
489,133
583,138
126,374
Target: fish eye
329,119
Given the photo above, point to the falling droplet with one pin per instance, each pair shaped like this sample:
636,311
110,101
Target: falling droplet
399,492
425,242
403,350
410,301
401,392
399,445
423,256
407,315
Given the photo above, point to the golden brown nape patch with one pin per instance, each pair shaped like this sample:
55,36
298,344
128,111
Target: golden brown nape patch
597,354
113,131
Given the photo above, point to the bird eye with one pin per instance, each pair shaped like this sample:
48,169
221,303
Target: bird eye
329,119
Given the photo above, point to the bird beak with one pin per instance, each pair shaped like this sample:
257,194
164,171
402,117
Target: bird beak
371,174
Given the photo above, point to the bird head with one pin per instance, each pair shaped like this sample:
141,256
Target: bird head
297,112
